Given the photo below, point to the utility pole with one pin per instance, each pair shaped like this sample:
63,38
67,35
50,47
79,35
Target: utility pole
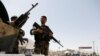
97,52
94,48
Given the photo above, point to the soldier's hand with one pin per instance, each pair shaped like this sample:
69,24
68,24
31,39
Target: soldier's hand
40,31
25,39
22,42
37,31
50,34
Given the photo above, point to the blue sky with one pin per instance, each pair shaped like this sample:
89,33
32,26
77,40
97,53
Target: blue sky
74,22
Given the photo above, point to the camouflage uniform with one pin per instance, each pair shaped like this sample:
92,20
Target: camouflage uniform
42,42
41,47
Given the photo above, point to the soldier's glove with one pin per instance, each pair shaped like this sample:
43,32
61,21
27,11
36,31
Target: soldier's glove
23,41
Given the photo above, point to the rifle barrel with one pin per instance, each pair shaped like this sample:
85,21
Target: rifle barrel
57,41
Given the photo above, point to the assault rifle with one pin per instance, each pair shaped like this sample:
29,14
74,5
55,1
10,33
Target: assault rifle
38,26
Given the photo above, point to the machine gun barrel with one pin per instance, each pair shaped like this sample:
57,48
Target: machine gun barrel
23,18
33,6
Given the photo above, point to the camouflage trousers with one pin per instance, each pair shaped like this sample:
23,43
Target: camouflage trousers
41,47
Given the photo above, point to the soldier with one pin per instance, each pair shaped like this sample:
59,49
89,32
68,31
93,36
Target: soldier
15,48
13,19
20,35
41,41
